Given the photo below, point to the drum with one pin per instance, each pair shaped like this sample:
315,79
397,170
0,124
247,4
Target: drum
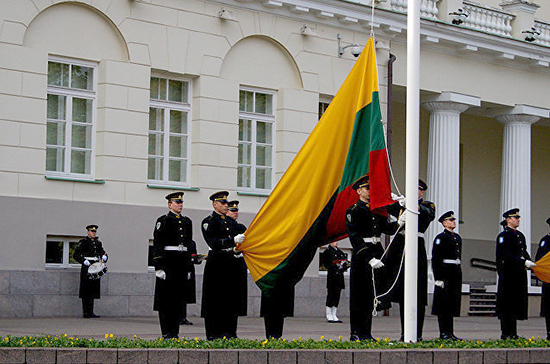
97,270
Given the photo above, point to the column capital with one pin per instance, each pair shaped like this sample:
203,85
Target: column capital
523,114
450,101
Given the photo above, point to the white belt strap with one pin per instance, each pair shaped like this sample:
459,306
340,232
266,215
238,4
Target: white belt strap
179,248
421,235
373,240
452,261
91,258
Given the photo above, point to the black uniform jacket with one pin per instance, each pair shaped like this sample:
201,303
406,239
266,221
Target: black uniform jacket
511,253
395,253
362,223
87,247
447,245
224,285
544,247
335,272
178,288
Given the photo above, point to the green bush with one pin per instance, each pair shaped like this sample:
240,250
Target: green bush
110,341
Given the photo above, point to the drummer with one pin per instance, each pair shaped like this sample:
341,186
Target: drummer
89,251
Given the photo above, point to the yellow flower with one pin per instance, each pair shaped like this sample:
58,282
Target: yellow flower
299,338
264,342
106,336
340,337
197,339
284,340
224,337
111,336
65,335
322,337
135,336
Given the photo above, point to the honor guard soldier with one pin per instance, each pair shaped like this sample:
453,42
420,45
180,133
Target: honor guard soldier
89,251
544,248
233,212
426,210
512,261
364,230
221,303
446,255
173,247
336,262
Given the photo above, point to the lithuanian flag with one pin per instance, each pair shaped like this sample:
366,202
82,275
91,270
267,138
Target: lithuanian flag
307,207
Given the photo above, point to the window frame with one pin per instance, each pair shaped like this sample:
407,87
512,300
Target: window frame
70,93
255,118
66,240
166,106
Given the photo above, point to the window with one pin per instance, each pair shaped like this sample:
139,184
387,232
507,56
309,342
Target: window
256,121
169,132
70,119
323,106
59,252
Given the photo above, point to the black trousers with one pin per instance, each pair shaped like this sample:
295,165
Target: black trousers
333,296
87,307
445,324
274,326
220,326
509,327
169,323
361,323
420,313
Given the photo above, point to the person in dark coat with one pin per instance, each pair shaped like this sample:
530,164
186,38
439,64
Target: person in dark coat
274,308
512,260
233,212
544,248
336,262
364,229
89,251
221,303
192,296
426,215
446,255
173,247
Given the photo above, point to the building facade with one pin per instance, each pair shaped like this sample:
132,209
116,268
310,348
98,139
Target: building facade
109,105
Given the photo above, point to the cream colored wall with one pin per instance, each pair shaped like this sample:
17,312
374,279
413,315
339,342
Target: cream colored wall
492,80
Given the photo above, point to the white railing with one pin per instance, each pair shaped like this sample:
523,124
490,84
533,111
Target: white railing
544,28
428,8
488,19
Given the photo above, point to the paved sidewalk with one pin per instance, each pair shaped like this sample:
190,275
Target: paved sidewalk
479,328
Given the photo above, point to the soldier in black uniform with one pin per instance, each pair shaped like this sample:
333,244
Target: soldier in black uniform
512,261
364,230
221,303
426,215
173,247
233,212
192,296
89,251
544,247
336,262
446,254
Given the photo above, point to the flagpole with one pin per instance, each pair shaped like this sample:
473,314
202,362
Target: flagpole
412,156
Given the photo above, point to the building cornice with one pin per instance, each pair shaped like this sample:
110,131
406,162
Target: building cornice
391,25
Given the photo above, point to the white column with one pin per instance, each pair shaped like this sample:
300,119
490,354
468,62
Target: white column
515,189
444,156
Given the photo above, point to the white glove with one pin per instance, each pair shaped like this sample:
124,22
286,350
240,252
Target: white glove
401,220
529,264
104,258
440,284
239,238
160,274
459,261
87,263
376,263
400,199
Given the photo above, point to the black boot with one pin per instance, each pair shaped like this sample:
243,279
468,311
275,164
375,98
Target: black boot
443,328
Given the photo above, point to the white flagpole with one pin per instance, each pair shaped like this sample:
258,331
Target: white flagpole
412,156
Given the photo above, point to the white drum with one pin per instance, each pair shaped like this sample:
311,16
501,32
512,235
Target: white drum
97,270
